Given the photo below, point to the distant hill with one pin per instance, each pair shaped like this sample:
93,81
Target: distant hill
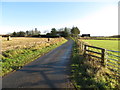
115,36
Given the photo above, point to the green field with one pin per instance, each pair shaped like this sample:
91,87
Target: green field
107,44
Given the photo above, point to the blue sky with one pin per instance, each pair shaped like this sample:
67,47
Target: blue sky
24,16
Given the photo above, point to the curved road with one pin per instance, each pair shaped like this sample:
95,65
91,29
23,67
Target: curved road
48,71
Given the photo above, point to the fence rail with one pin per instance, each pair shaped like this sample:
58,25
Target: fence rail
114,51
113,55
107,57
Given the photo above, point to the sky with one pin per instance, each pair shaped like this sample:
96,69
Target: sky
95,18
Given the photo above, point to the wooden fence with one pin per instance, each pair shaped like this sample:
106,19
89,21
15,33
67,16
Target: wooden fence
101,53
108,58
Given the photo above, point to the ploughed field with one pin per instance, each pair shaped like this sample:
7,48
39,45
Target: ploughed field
22,50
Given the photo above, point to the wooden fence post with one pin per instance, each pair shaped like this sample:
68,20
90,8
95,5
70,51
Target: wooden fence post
106,58
85,49
81,46
103,57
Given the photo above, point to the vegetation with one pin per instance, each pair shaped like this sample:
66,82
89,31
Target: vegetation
53,32
75,31
63,32
15,58
88,73
27,33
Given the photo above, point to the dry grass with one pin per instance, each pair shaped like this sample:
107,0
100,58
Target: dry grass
19,51
27,42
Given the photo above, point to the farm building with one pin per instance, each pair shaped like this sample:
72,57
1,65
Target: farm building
85,35
60,33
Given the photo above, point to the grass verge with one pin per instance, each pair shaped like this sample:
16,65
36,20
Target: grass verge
87,73
15,59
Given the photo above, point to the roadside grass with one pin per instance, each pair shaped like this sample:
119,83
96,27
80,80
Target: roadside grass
15,59
88,73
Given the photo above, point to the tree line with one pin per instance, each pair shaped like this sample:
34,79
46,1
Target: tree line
63,32
26,33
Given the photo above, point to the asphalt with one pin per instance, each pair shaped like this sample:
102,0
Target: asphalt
48,71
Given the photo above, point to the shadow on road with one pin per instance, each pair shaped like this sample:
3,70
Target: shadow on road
46,71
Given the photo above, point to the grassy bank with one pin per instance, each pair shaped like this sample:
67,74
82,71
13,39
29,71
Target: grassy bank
14,59
87,73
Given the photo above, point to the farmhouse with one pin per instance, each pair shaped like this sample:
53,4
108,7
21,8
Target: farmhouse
85,35
60,33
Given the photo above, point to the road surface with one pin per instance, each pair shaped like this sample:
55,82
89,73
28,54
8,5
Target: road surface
48,71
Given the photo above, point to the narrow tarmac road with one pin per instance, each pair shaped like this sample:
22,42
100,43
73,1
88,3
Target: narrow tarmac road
48,71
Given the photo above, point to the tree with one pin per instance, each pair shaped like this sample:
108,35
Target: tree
48,34
36,32
21,34
27,32
75,31
61,29
14,34
32,32
65,34
53,32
